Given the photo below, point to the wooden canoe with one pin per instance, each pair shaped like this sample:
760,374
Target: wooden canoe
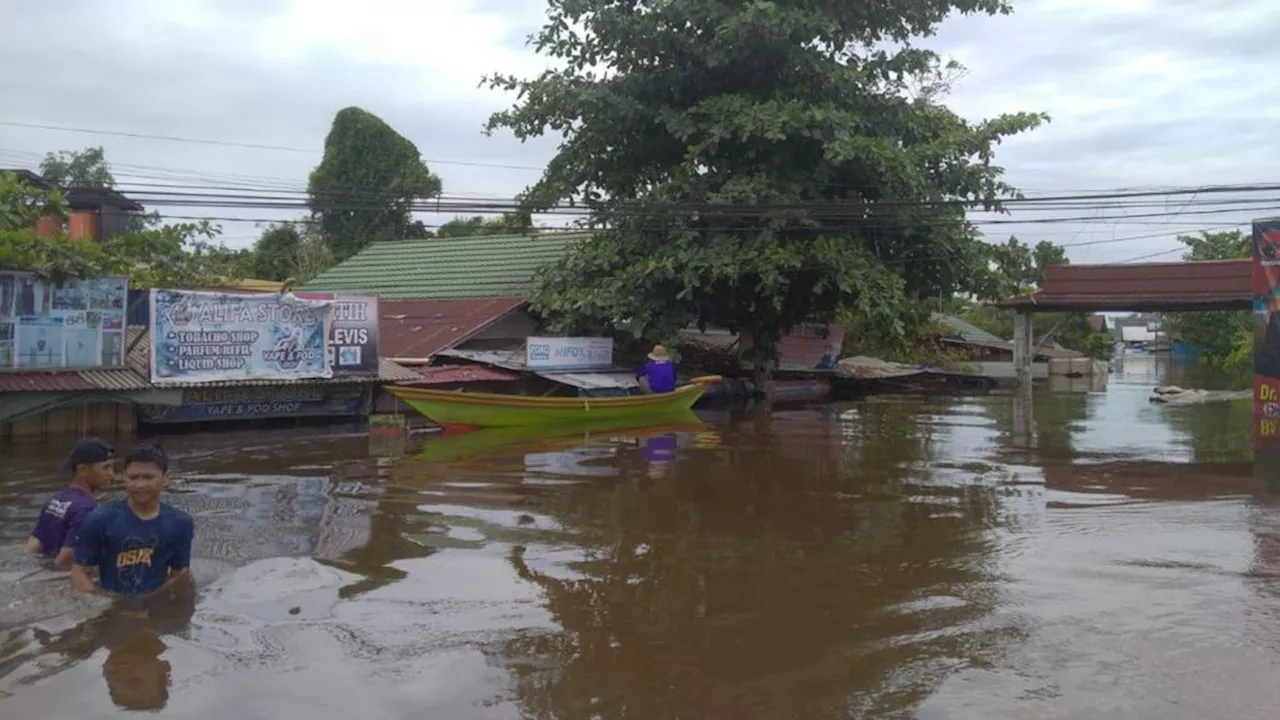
488,410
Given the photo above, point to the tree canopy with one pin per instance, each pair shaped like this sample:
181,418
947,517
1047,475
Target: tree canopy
364,187
1215,335
506,224
289,250
78,168
755,165
1018,268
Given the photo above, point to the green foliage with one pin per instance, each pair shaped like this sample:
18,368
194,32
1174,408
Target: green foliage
1073,330
1237,367
507,224
83,168
1214,335
89,168
1097,345
755,165
22,204
364,187
289,250
173,256
1016,268
921,344
1217,245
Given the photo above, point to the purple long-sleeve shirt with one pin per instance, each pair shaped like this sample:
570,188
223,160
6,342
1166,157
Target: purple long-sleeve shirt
660,374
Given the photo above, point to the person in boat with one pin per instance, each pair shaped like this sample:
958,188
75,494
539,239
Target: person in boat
658,374
828,360
138,545
91,465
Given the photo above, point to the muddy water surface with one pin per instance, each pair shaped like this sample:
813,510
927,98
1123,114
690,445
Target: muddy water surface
899,557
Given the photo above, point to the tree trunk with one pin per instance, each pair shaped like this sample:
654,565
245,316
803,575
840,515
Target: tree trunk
764,357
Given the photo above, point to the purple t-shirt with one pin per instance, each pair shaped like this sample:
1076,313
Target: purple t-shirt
59,523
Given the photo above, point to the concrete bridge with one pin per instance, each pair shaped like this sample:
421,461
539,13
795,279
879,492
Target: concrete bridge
1147,287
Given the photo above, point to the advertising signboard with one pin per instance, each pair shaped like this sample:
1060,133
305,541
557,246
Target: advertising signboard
74,325
1266,338
199,337
568,354
353,334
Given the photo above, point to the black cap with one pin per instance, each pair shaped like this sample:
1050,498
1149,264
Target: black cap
88,451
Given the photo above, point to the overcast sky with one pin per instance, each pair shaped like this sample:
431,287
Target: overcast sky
1142,93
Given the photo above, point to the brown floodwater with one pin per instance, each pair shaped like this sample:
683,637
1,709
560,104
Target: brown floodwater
895,557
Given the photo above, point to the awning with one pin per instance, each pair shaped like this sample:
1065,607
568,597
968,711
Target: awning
14,407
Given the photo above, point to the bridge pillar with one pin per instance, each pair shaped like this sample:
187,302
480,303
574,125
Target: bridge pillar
1023,354
1022,350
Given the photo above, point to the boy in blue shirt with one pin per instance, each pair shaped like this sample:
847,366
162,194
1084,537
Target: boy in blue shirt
139,545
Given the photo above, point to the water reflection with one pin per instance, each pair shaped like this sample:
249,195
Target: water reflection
894,557
755,587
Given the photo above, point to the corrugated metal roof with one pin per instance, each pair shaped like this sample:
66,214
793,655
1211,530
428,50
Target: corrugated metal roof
1007,346
415,329
594,380
508,359
514,360
450,374
393,372
115,379
966,330
43,382
1193,285
498,265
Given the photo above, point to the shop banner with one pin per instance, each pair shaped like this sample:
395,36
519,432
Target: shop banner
1266,338
257,402
75,325
200,337
568,354
353,336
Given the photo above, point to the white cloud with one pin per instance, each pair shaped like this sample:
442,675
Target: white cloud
1179,92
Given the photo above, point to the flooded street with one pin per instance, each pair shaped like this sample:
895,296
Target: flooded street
896,557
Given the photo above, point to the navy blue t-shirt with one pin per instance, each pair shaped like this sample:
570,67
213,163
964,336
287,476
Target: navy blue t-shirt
135,555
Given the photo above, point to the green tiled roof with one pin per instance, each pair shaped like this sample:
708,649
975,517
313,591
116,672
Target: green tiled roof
966,330
481,266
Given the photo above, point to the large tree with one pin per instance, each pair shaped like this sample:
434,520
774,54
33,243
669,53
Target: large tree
289,250
755,165
365,186
1215,335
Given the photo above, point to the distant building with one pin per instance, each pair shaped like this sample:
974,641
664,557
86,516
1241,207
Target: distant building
96,213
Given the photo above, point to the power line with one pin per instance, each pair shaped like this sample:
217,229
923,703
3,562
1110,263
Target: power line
232,143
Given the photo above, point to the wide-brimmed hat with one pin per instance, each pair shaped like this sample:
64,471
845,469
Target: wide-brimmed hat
659,352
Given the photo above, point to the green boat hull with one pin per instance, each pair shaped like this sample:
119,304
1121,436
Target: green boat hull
488,410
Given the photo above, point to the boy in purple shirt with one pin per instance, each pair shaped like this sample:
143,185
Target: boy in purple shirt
92,467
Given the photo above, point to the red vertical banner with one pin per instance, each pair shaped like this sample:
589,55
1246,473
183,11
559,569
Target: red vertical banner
1266,337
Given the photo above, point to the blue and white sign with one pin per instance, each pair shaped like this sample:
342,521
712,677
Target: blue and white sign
567,354
199,337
